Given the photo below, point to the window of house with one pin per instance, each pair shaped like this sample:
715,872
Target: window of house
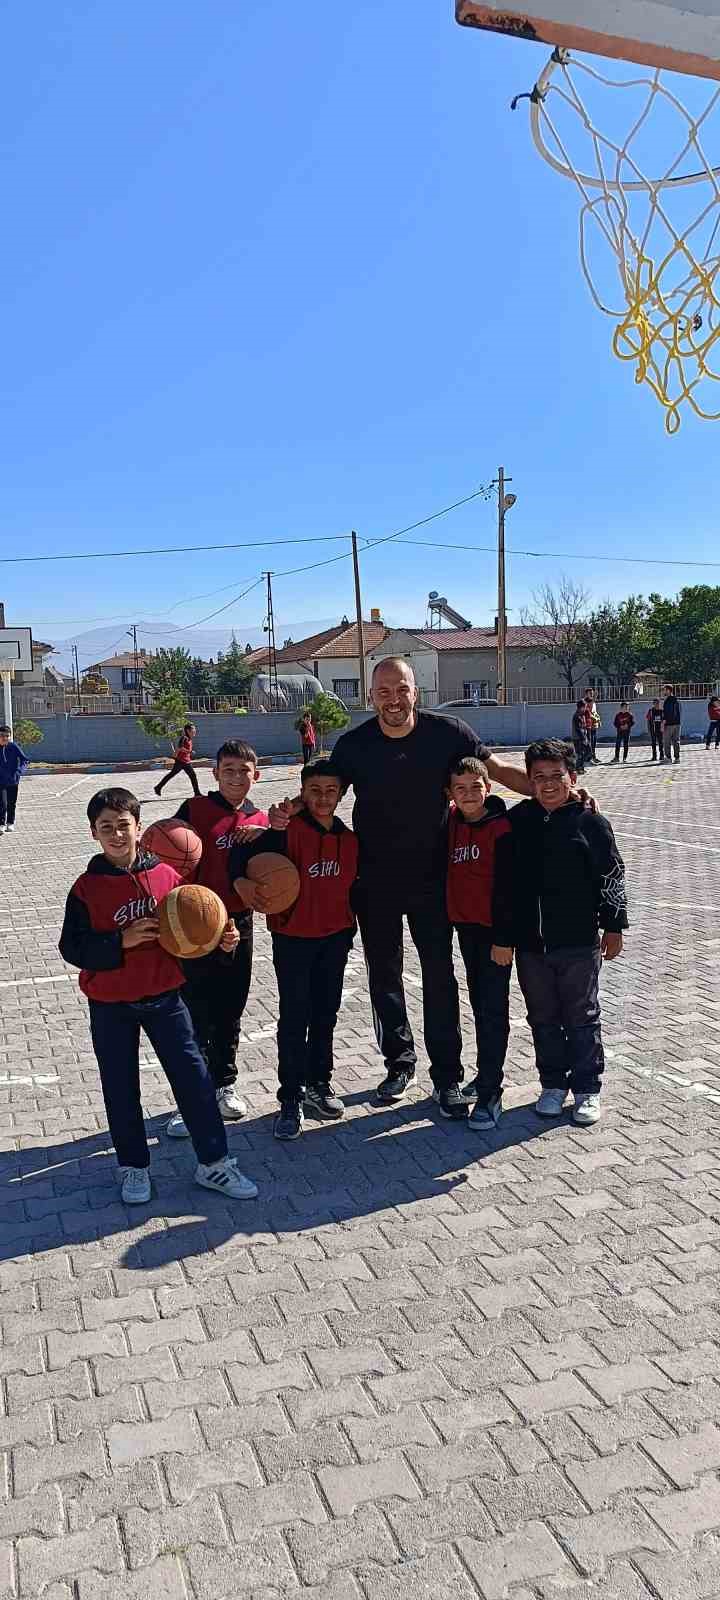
476,689
130,678
346,688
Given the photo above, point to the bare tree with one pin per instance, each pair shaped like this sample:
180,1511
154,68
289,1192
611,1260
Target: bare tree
559,617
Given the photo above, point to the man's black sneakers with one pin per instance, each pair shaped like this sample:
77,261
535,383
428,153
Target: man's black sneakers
321,1102
394,1087
451,1103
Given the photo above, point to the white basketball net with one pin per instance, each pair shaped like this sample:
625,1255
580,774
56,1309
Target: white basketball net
664,231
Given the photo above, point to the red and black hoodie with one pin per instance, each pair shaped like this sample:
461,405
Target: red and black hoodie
220,827
479,874
101,904
327,861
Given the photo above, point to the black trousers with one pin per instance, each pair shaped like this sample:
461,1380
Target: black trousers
714,728
624,740
8,802
180,766
561,994
656,740
309,976
115,1030
582,753
593,742
381,904
489,991
216,991
308,753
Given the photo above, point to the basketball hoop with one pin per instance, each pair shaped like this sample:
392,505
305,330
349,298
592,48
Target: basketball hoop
663,232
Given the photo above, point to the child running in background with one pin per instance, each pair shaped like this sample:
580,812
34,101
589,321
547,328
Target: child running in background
182,761
569,914
479,904
110,931
311,943
624,722
713,723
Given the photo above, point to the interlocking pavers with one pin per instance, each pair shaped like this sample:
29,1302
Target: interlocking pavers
423,1363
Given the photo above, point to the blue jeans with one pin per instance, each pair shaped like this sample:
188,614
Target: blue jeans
115,1028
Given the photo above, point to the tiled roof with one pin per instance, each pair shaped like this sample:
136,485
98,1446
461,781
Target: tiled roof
346,643
338,641
518,638
127,659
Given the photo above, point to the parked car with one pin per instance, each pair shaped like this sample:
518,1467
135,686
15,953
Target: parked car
464,705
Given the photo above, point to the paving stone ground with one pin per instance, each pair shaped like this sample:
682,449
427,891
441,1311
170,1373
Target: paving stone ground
422,1364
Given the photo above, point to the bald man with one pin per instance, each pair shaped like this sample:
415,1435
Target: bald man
398,764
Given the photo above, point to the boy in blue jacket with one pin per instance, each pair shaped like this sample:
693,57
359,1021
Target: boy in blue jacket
13,763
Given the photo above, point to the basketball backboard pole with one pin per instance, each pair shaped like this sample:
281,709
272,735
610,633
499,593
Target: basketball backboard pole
679,35
7,715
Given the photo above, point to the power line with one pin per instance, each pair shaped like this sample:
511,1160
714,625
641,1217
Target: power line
171,550
562,555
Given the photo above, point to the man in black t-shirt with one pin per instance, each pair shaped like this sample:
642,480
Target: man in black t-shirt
398,764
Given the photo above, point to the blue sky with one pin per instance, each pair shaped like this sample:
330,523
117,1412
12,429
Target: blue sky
278,271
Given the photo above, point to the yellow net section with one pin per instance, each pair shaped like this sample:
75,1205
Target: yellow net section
664,232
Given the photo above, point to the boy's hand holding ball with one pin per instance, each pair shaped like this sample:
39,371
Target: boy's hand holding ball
144,931
253,896
230,938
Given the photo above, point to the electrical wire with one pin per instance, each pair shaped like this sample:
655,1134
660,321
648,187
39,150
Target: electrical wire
173,550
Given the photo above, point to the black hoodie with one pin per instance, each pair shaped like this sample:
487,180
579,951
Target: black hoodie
568,877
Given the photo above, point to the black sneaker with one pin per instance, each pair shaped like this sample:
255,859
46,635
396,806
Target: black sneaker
321,1102
450,1102
469,1091
288,1123
394,1087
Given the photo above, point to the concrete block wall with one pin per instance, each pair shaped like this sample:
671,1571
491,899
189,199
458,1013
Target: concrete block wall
120,739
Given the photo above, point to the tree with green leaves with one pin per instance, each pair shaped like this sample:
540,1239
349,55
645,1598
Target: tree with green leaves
201,678
685,634
234,674
326,713
167,718
27,732
616,638
168,670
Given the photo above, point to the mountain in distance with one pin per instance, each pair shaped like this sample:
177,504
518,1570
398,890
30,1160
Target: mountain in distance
110,640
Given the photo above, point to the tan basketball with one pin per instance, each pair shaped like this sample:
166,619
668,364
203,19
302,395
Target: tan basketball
279,878
192,921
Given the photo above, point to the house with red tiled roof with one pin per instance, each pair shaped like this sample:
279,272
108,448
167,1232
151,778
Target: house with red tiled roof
461,663
333,656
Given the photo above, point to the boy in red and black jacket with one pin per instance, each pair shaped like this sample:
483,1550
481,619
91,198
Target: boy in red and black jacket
182,760
624,723
218,985
311,943
479,905
110,931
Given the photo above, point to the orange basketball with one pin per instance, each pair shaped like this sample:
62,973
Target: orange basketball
280,880
192,921
175,844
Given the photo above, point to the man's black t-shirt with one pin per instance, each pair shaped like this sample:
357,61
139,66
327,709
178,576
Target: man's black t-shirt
400,800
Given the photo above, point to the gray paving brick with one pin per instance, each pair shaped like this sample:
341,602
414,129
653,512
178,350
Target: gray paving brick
438,1576
592,1540
74,1416
41,1560
218,1575
164,1578
517,1557
455,1513
354,1541
293,1500
687,1512
126,1487
129,1442
682,1459
373,1439
599,1481
40,1512
180,1330
171,1529
84,1455
64,1348
97,1313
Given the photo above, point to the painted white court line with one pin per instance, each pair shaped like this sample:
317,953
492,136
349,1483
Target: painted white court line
60,792
22,983
676,822
651,838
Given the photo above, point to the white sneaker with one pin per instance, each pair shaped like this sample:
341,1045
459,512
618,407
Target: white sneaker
226,1177
135,1190
175,1128
550,1103
2,827
232,1106
10,828
587,1109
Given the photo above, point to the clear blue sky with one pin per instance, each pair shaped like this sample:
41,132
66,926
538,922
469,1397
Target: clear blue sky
281,270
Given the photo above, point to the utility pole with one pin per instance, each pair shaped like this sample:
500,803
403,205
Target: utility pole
505,501
272,652
360,632
138,692
76,675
